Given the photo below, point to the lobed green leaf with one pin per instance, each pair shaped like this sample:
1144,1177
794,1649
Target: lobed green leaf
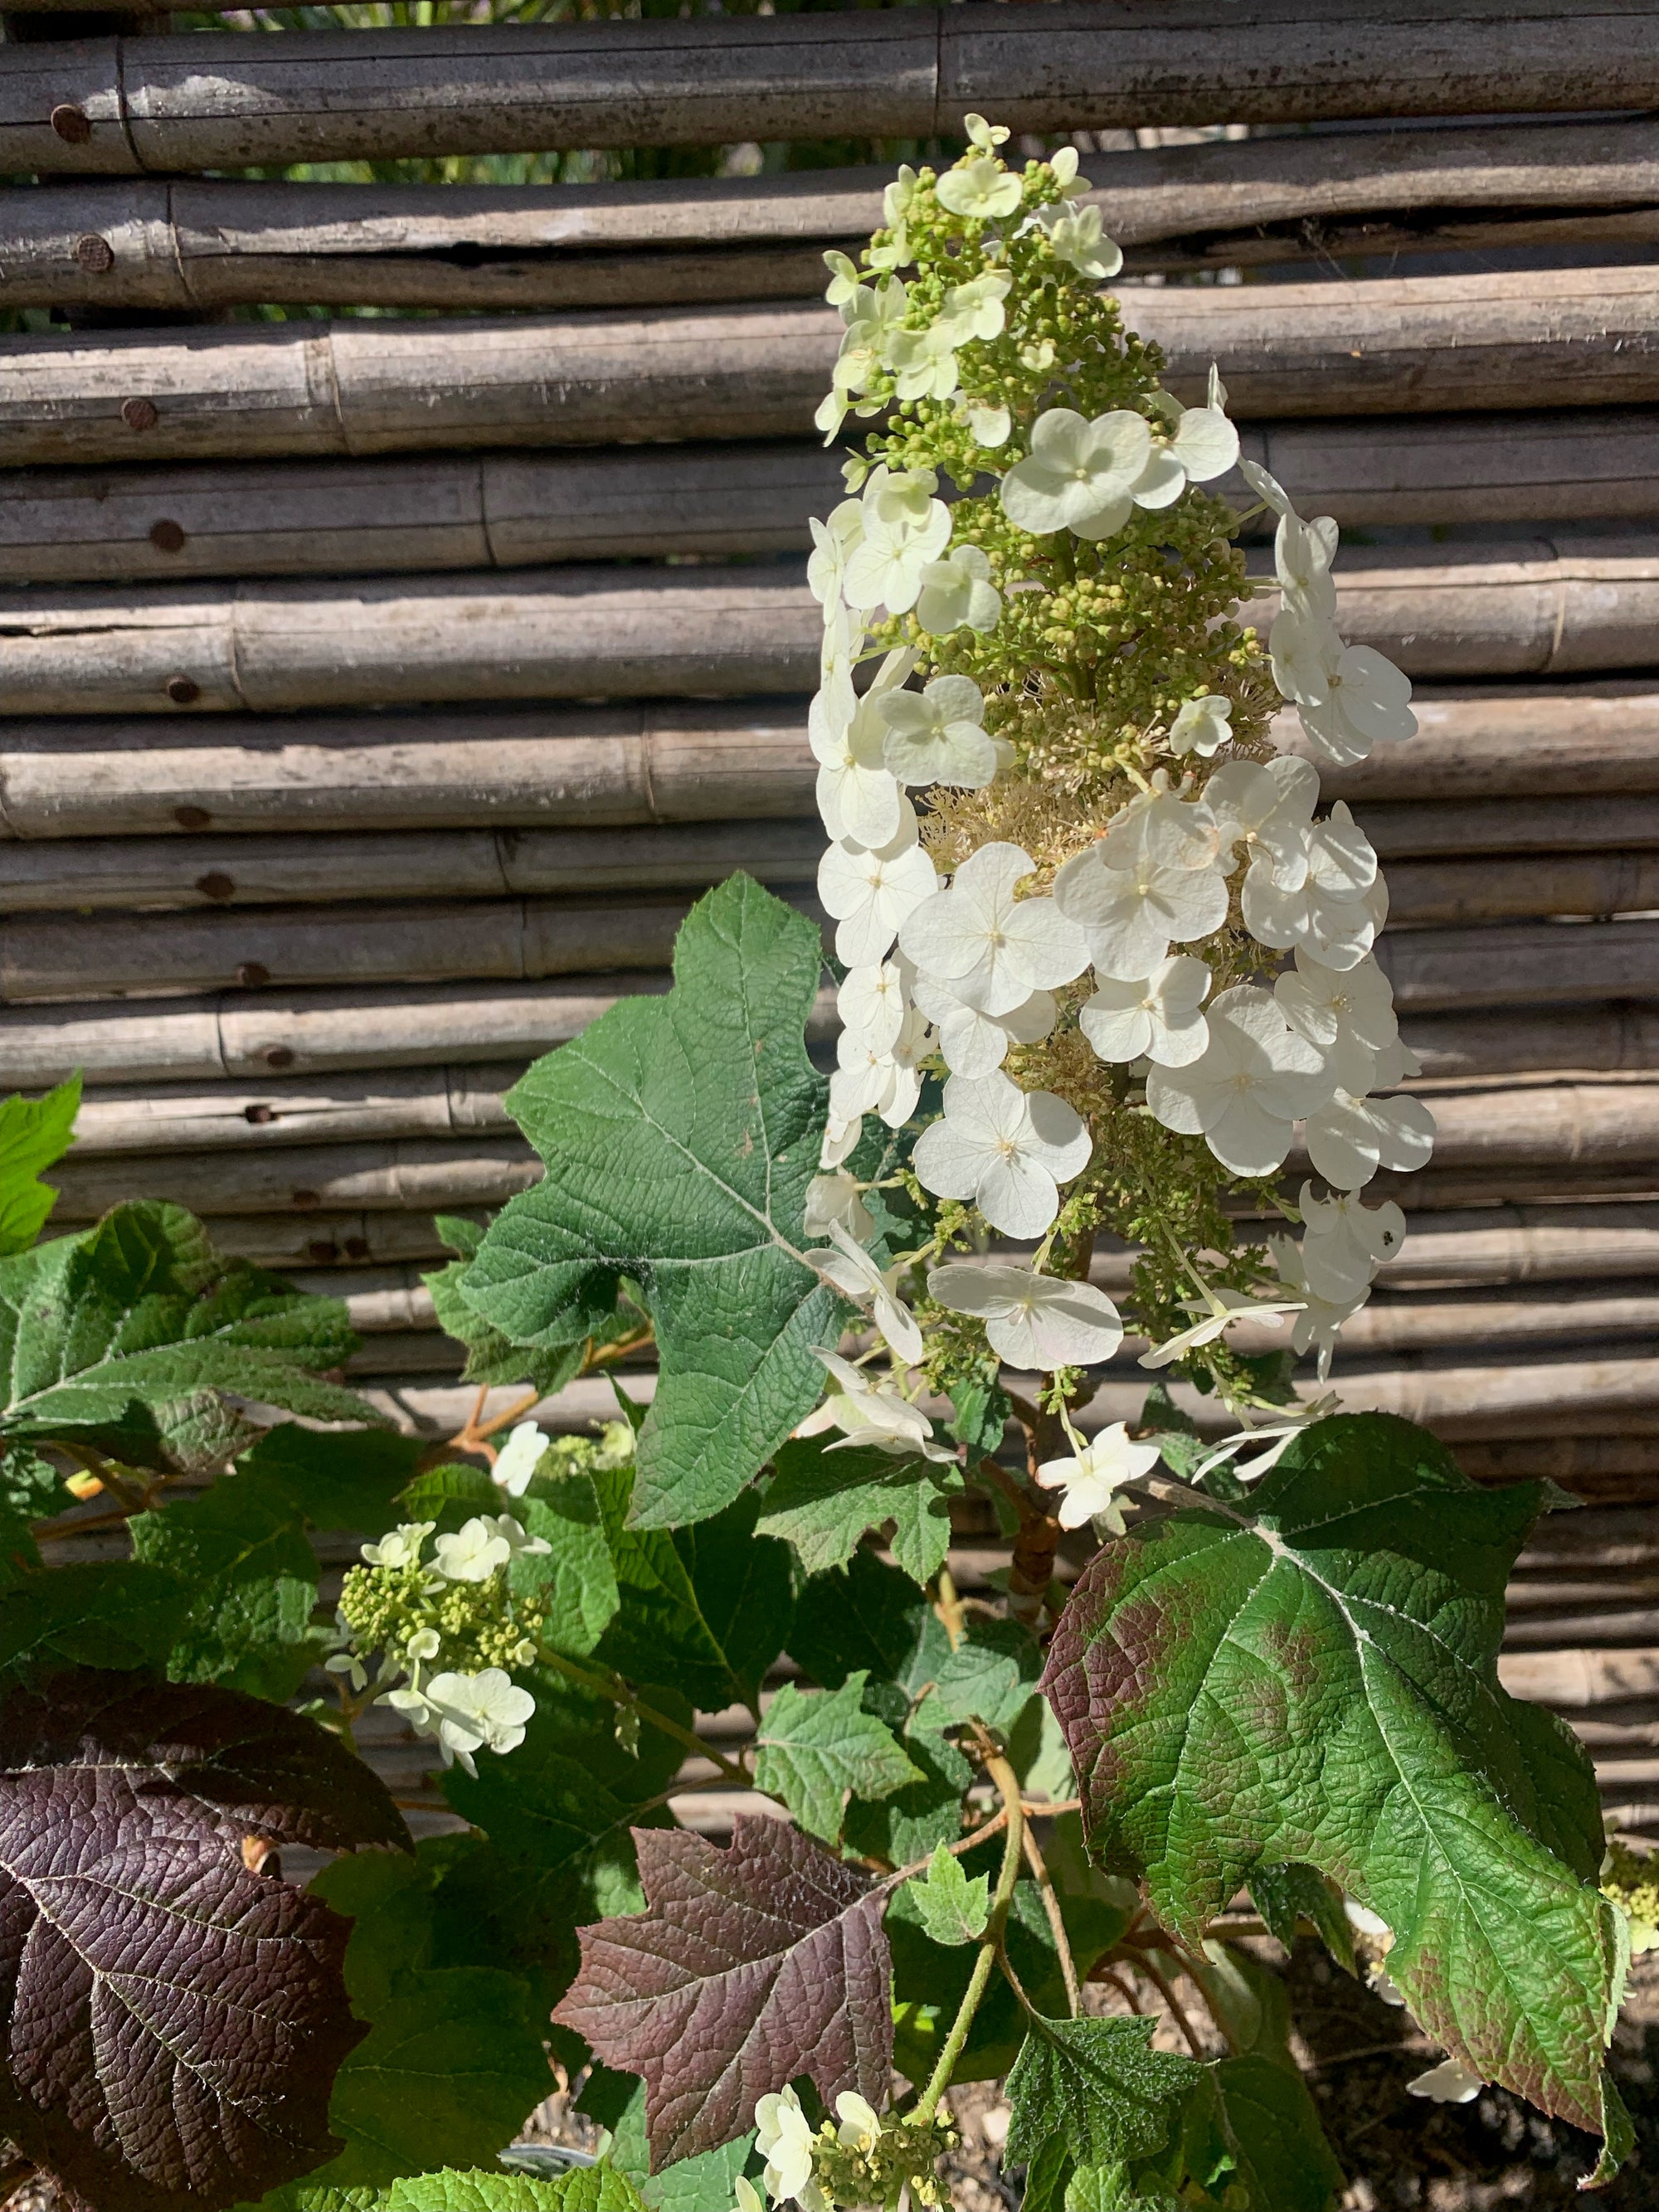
680,1134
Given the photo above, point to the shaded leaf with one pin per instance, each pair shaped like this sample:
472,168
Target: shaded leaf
992,1675
1099,2085
134,1338
336,1479
449,1495
453,2059
704,1610
574,1579
159,2058
242,1552
707,2183
114,1612
1284,1895
750,1966
34,1132
1277,2148
492,1356
816,1748
954,1908
1320,1688
673,1161
822,1501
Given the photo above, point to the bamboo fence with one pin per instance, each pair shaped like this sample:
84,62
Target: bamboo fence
361,741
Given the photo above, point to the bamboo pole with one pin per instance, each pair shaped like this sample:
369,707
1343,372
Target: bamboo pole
1525,963
134,1119
569,633
667,760
378,1177
485,510
453,511
56,957
1484,752
208,244
1385,346
339,95
1449,610
87,874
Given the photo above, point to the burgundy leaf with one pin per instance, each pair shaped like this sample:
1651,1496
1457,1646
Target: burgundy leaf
748,1967
172,2021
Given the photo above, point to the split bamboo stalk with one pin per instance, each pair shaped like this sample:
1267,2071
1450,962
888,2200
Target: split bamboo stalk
324,1241
134,1119
215,244
1613,1398
87,874
1388,345
376,1298
253,1036
454,511
668,760
1579,1680
140,873
1572,830
378,1176
682,761
1567,1140
244,1033
187,102
113,955
1523,963
483,510
575,632
1527,1244
1578,1462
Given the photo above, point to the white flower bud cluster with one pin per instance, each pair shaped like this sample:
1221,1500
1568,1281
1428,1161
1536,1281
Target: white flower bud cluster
956,972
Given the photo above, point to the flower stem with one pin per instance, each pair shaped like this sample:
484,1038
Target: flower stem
1007,1783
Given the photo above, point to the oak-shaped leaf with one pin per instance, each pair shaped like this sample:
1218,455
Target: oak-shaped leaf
139,1339
1100,2086
749,1967
171,2020
816,1747
1315,1683
680,1134
822,1500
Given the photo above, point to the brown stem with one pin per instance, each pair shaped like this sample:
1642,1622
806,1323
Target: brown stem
1056,1921
1165,1987
1111,1979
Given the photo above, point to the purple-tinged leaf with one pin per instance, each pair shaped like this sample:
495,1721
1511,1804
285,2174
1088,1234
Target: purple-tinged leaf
748,1967
171,2021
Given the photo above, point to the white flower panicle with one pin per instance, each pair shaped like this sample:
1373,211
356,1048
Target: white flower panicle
1130,936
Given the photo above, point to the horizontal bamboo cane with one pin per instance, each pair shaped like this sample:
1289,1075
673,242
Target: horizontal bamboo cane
483,510
216,244
1563,1139
1384,346
1496,769
453,511
1570,1398
1447,611
91,873
88,874
1523,963
425,1173
200,101
103,956
134,1119
659,762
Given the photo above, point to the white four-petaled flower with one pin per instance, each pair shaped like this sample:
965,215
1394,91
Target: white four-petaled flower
979,188
991,948
870,889
869,1411
784,2138
1091,1478
1034,1321
956,592
935,736
1255,1080
518,1458
1086,476
1131,914
1007,1149
854,1272
1154,1017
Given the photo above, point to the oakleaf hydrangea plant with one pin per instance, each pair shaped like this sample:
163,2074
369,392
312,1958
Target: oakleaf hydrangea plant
766,1830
